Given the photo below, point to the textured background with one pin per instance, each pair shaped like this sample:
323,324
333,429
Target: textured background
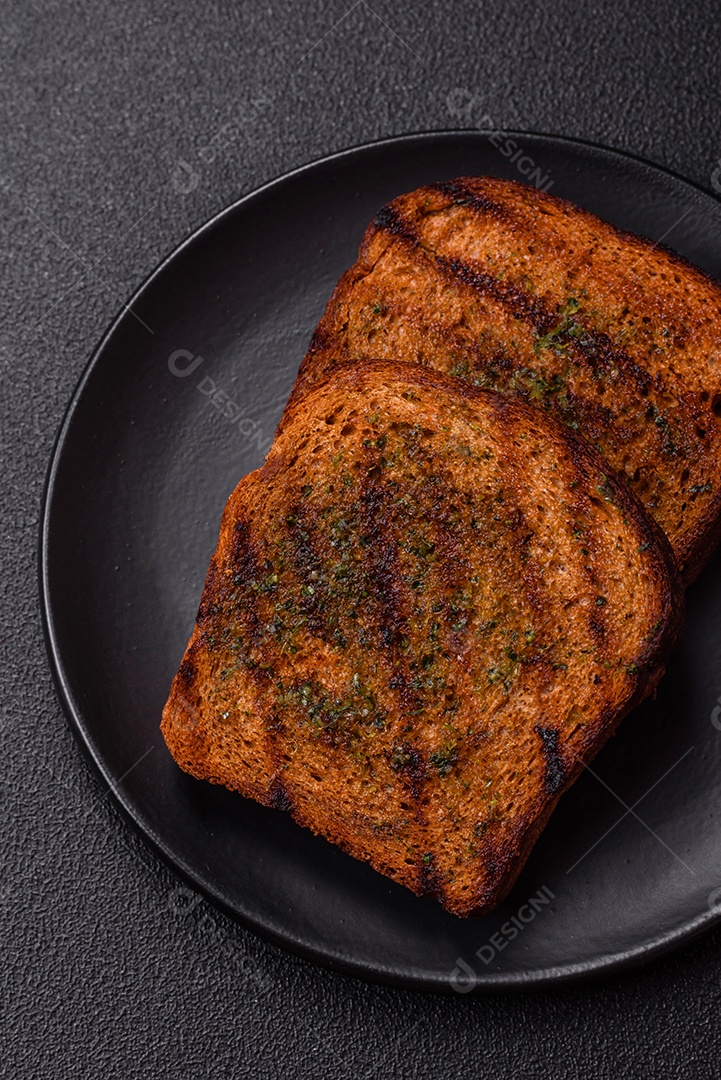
109,968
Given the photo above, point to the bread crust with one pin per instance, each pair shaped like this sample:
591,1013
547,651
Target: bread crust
426,587
516,290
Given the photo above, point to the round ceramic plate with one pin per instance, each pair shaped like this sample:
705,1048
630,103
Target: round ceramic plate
179,401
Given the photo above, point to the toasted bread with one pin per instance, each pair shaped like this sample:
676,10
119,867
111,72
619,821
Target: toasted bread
515,290
427,609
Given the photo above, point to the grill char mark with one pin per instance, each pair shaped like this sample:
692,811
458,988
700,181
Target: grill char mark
595,349
389,221
383,576
393,613
244,568
307,566
462,194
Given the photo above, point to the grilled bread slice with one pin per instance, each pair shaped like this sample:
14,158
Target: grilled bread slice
514,290
426,610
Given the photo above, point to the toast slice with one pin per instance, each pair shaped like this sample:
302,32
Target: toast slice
515,290
425,611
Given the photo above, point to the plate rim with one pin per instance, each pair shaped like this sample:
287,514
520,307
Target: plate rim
595,968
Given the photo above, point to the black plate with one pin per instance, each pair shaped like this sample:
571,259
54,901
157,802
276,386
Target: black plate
143,465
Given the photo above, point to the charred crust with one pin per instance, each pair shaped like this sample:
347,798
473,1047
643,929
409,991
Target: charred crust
555,776
452,188
389,220
186,673
430,882
460,192
278,797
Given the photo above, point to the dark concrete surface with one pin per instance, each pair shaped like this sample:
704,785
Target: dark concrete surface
107,969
